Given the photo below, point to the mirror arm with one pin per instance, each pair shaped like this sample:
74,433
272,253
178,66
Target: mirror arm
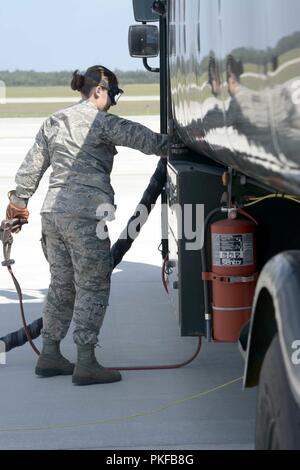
147,66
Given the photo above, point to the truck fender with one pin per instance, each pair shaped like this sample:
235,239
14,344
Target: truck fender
276,308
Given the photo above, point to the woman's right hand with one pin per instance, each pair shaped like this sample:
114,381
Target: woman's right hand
14,212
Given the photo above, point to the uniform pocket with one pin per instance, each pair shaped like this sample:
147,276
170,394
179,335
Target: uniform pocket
44,245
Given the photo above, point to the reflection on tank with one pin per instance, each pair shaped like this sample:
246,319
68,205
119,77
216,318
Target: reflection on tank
248,115
246,118
214,77
236,89
254,113
246,111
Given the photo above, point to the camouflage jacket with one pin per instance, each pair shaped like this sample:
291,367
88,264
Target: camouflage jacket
79,144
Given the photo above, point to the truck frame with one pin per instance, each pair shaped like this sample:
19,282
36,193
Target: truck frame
230,102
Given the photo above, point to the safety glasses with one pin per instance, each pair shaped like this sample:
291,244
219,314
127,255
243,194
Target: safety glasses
114,93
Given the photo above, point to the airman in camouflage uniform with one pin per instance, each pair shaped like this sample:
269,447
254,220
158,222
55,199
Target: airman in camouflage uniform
79,144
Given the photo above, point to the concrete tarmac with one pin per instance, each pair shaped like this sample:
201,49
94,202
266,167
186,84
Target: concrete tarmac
163,409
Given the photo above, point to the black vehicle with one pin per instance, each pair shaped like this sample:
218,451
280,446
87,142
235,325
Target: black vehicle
230,100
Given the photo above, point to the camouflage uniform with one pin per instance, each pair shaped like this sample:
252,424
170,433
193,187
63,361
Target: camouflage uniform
79,144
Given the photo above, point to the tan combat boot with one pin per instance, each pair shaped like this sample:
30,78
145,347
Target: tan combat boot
88,371
51,362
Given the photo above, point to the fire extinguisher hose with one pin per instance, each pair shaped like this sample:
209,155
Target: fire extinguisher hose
207,303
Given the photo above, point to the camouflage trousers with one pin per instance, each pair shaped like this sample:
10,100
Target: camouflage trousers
80,266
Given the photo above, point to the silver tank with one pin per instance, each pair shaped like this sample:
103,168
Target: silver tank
235,84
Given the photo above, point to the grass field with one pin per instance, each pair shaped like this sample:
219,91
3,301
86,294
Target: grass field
128,108
60,91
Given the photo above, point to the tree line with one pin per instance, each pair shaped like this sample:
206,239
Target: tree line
63,78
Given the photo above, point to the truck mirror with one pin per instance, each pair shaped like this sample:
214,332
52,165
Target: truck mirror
143,41
143,11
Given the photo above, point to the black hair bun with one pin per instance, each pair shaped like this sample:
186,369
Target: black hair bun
77,82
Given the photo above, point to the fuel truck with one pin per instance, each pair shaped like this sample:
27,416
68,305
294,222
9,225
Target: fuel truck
230,102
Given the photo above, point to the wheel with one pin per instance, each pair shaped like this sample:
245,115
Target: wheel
277,414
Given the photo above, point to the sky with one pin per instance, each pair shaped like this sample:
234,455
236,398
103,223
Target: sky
47,35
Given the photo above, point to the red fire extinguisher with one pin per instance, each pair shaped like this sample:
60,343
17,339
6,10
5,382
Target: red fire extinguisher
233,276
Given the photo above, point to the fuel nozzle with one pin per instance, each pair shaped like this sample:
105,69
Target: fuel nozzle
8,227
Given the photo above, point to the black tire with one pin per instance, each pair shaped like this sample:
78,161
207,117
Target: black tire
277,414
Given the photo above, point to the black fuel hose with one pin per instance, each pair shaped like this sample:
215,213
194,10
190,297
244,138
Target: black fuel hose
153,190
19,337
118,250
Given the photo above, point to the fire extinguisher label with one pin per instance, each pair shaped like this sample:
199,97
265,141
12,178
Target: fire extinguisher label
232,250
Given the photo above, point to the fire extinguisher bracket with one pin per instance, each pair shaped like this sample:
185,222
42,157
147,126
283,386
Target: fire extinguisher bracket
231,309
229,279
233,276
